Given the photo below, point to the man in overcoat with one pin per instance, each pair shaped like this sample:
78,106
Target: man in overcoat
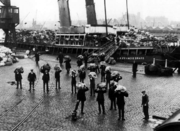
81,97
145,105
31,79
121,103
100,99
46,79
37,58
18,78
60,58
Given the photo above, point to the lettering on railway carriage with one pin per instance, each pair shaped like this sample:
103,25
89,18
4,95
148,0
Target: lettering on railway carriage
131,58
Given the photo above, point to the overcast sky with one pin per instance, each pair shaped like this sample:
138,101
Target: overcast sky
47,10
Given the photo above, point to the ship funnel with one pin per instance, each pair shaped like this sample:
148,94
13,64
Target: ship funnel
91,13
64,13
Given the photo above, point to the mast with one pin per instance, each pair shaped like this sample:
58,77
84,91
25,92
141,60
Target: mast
105,17
127,13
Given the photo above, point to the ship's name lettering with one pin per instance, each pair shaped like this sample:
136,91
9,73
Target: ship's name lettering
131,58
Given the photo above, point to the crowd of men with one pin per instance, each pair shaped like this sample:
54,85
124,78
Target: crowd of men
107,84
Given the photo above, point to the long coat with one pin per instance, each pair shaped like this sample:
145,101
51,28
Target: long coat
108,76
111,93
100,95
82,75
79,62
18,76
68,64
81,96
145,100
60,57
46,77
32,76
120,98
57,74
36,57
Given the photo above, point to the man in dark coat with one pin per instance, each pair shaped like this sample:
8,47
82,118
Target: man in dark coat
108,78
112,96
60,57
79,62
73,81
121,103
82,75
81,97
68,65
100,99
31,79
134,68
103,73
145,105
92,85
46,79
85,58
18,78
37,58
57,77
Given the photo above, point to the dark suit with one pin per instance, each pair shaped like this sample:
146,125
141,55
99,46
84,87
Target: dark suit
145,101
57,77
103,67
112,97
108,78
60,57
18,78
100,99
81,97
79,62
73,83
134,69
92,85
68,66
121,102
46,79
37,58
31,78
82,76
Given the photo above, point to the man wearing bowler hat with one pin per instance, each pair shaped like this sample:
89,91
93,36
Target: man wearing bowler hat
31,79
145,105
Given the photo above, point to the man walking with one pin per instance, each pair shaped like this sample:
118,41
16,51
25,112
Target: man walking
31,79
60,57
37,58
134,68
46,79
145,105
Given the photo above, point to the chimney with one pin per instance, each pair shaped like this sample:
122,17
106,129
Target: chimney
91,13
64,13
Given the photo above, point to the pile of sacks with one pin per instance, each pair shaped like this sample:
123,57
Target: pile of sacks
7,57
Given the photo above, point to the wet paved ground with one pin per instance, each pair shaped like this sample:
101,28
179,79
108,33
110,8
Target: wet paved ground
35,111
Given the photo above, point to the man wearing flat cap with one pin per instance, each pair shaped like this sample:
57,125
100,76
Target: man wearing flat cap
31,79
145,105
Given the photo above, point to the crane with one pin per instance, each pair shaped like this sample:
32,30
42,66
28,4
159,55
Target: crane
9,18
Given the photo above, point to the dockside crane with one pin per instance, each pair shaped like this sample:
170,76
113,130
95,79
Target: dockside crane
9,19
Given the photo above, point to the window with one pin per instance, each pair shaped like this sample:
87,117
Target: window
16,11
10,10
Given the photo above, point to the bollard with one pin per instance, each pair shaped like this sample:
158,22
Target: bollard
166,63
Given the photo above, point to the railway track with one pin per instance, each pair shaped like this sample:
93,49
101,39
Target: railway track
14,114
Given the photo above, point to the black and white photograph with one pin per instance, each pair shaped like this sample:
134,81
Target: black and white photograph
89,65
